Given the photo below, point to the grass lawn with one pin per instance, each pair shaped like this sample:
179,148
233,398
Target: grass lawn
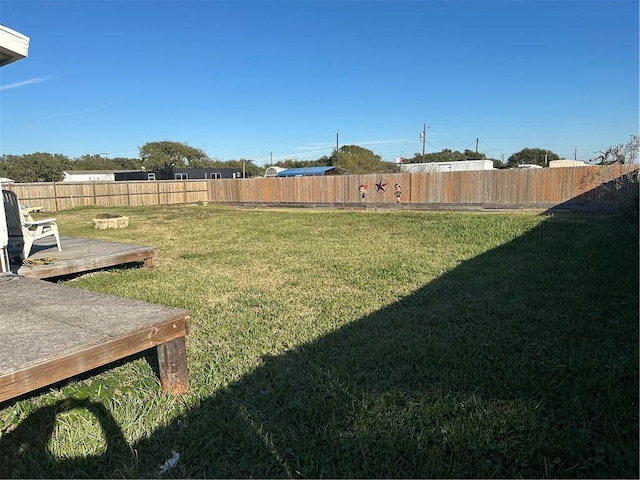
358,344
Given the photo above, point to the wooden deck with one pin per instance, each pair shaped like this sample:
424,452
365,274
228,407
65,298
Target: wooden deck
80,255
50,332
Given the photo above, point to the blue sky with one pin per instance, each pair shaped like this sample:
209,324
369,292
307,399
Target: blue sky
284,80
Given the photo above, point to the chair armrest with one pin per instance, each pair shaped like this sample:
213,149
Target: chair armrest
44,221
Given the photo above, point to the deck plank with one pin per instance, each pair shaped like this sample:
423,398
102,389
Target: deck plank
80,255
50,332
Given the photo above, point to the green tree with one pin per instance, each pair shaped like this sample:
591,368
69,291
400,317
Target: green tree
201,163
167,154
294,163
249,168
358,160
34,167
498,163
535,156
472,155
123,163
98,162
325,161
446,155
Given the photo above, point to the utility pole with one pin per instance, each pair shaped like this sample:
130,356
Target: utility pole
423,136
575,153
476,148
271,155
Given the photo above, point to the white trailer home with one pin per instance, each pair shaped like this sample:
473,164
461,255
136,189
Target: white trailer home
461,166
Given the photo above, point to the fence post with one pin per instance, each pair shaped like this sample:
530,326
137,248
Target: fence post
55,196
214,193
485,186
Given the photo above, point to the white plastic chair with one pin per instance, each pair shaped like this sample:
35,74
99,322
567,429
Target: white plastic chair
23,231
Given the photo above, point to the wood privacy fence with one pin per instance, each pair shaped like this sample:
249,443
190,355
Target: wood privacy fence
579,188
61,196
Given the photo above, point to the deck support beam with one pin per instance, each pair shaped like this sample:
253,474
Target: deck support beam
172,359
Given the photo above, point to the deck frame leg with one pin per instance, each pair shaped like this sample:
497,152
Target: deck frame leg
172,359
148,263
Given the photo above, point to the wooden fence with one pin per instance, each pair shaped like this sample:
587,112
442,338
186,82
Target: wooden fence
577,188
61,196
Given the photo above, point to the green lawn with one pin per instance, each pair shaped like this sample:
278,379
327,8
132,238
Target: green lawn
358,344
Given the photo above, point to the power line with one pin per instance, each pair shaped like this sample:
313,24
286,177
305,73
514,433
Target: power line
326,148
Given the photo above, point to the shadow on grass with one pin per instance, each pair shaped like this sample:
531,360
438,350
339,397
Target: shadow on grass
32,437
510,365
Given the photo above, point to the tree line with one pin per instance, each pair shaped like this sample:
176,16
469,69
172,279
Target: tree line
49,167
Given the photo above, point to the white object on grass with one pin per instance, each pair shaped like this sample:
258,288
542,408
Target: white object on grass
171,463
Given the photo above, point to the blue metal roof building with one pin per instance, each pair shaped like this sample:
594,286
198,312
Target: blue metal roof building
308,171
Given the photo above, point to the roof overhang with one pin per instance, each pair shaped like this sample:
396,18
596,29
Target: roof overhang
13,46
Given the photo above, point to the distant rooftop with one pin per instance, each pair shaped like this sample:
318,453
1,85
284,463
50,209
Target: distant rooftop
96,172
307,171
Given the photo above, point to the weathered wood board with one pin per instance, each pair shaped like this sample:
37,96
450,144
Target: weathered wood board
81,255
50,332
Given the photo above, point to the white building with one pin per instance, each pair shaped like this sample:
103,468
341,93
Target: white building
566,163
528,166
273,171
92,175
461,166
88,176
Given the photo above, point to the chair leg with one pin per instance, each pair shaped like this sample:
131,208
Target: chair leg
58,240
26,248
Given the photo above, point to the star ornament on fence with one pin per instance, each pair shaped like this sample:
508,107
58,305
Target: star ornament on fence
381,186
